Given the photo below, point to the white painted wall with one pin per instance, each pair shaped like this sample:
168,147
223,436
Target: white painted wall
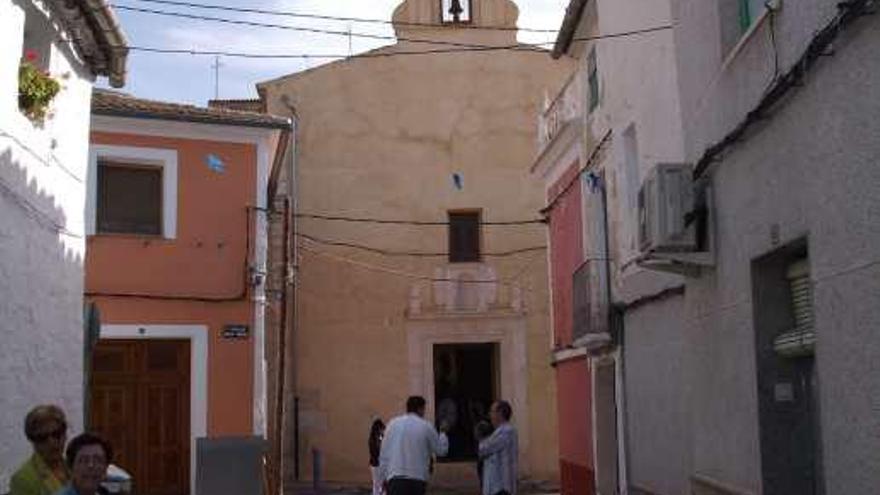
42,190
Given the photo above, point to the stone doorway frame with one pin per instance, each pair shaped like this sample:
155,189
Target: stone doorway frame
509,332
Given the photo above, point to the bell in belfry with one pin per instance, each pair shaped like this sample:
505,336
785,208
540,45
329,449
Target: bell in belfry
456,10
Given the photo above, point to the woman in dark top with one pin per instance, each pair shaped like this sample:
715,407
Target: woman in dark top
377,431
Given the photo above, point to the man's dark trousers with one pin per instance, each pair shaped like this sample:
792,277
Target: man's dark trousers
406,486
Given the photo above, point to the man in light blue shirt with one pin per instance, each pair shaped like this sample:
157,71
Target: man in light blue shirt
500,453
407,450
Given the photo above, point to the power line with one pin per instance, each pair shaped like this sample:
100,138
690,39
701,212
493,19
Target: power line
416,254
35,213
575,179
360,20
406,222
240,22
848,12
414,276
373,54
318,56
54,160
346,33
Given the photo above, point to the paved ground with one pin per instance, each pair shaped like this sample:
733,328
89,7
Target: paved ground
526,488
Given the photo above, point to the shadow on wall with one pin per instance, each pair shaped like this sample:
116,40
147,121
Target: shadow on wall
41,277
31,201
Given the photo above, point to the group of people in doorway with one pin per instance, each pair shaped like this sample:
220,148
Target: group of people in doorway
52,469
402,455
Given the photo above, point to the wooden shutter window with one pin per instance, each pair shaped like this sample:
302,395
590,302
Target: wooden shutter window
129,199
801,339
464,237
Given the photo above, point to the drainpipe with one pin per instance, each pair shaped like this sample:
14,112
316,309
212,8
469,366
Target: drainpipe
281,387
291,269
616,328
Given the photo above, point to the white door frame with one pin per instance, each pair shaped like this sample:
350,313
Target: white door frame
610,359
198,384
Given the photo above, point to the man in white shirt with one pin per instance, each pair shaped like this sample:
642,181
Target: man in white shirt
500,452
408,448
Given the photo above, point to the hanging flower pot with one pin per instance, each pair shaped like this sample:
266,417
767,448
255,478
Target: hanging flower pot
36,88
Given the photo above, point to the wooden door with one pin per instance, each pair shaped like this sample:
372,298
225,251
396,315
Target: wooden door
140,403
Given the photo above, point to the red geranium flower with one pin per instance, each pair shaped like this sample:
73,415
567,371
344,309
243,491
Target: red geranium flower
31,55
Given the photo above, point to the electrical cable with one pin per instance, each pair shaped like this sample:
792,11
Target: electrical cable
384,252
472,46
32,152
406,222
576,177
240,295
35,213
848,12
362,20
525,48
239,22
411,275
307,56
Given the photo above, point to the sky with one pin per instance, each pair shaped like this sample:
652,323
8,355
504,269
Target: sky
190,78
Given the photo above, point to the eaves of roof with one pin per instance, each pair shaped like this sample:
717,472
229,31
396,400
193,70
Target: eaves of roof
97,36
113,104
573,14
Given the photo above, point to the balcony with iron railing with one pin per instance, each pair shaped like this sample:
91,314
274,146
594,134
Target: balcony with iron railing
590,306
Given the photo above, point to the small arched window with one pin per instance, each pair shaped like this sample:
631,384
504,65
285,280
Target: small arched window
455,11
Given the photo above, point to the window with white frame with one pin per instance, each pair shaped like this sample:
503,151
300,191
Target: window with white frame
132,191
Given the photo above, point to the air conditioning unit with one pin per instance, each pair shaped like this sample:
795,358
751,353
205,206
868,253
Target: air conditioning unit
665,200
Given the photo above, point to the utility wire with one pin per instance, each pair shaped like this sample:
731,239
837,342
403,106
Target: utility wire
385,252
415,276
361,20
848,12
373,54
404,222
239,22
53,159
346,33
576,178
35,213
306,56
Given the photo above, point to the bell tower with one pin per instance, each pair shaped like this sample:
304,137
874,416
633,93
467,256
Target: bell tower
453,16
455,11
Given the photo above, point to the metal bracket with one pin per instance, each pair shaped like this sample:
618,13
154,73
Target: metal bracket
689,264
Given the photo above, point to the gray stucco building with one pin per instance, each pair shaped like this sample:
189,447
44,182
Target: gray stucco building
753,370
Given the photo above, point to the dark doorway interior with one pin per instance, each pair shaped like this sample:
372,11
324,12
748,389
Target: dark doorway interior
791,458
465,384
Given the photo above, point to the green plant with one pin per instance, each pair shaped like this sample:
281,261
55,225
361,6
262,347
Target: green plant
36,90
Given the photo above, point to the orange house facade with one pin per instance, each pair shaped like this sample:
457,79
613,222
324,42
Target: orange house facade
177,218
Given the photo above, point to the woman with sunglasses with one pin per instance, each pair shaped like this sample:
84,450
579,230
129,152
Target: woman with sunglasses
45,472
